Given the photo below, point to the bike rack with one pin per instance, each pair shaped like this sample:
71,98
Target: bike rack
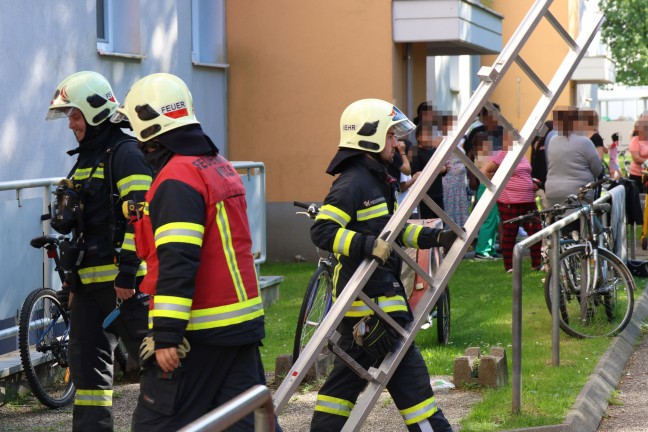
551,231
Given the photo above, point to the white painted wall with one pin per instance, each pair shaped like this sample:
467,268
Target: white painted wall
44,41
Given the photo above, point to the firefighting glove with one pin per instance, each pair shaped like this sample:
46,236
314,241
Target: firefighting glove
377,249
446,238
374,336
147,349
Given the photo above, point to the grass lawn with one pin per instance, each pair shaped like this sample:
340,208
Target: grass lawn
481,295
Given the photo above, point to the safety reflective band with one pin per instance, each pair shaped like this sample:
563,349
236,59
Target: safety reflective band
373,212
84,173
333,405
330,212
104,273
419,412
222,316
396,303
228,249
129,242
171,307
336,277
142,270
201,319
342,241
133,183
93,397
411,235
179,232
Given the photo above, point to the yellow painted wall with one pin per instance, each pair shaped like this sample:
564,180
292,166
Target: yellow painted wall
543,52
294,67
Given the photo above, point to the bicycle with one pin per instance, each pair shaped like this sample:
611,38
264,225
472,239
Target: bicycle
596,287
318,297
43,337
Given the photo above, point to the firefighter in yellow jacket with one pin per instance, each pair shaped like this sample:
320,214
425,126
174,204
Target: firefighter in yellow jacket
206,315
355,211
99,258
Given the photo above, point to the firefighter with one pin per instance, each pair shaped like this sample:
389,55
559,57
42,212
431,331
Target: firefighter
101,267
355,211
206,312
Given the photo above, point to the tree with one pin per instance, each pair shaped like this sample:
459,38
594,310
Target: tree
625,32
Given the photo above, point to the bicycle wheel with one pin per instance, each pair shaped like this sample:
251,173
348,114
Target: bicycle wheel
442,307
443,317
316,304
43,342
608,305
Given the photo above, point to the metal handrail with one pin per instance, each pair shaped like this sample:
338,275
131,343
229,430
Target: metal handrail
257,400
552,231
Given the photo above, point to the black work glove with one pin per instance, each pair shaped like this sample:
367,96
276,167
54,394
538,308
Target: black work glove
378,338
446,238
377,249
63,296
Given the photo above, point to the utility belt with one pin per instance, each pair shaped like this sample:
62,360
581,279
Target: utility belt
73,252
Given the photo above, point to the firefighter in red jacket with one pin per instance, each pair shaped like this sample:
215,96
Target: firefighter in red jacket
355,211
206,316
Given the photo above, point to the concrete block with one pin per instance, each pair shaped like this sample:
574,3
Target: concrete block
475,369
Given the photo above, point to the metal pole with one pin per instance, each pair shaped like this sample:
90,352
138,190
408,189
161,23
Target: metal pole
517,328
555,295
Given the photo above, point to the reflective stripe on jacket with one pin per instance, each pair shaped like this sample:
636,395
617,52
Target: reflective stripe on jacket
195,238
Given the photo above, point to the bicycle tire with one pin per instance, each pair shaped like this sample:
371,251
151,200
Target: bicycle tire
316,304
42,342
443,317
608,311
442,305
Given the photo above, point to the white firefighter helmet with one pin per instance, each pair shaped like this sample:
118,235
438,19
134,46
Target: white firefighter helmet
87,91
364,125
157,104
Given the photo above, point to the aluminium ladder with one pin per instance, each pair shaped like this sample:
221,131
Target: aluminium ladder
377,378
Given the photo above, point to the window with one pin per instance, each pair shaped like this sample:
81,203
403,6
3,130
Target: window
118,28
208,33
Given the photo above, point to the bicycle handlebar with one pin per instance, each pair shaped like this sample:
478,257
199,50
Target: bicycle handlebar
311,209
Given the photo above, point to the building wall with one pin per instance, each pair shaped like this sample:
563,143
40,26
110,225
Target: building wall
43,42
291,78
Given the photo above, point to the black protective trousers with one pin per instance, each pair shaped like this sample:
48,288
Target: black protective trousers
91,351
409,387
208,377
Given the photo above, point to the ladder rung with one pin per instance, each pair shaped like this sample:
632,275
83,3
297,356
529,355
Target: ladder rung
414,265
347,359
561,31
532,75
382,314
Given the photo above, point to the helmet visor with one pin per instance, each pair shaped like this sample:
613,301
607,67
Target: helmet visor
404,128
57,113
118,117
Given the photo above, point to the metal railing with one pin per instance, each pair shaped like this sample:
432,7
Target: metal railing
257,399
552,231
